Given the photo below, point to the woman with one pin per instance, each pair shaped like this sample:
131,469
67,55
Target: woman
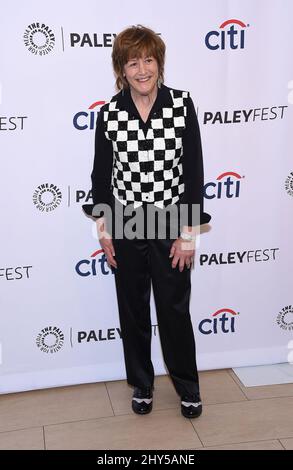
148,154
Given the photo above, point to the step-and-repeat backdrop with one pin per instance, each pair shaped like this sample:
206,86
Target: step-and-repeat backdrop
59,320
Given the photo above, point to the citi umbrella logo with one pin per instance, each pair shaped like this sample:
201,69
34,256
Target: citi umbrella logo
227,185
231,35
222,321
84,120
97,263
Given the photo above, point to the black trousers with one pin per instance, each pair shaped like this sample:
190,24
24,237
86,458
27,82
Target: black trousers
140,263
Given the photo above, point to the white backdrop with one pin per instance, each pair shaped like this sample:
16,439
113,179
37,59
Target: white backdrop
59,320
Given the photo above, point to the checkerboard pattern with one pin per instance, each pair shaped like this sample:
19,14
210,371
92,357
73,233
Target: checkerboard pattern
147,168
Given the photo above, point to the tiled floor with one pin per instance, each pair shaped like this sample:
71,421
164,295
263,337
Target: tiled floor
99,416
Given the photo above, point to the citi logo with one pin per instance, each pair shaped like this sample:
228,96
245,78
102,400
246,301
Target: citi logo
86,119
96,264
228,37
222,321
227,185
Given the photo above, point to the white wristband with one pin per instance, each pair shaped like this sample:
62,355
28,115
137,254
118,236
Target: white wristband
187,237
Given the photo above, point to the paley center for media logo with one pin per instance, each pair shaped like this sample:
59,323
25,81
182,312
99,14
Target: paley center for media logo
39,39
221,321
289,184
285,318
96,264
231,35
47,197
50,339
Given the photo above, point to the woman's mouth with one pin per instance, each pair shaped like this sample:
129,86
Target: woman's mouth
143,79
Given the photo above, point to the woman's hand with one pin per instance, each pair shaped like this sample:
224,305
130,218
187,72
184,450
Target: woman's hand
182,251
106,242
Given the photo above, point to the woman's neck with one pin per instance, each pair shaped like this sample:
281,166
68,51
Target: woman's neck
144,101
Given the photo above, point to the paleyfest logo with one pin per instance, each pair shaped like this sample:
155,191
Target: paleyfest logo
227,38
39,39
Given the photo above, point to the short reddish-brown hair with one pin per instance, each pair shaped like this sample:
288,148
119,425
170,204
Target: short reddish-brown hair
132,43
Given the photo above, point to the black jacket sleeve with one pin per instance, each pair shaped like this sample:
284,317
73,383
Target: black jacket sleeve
192,162
102,168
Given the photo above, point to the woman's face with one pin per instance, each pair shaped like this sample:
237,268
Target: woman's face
142,74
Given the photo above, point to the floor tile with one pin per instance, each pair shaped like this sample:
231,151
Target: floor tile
55,405
217,386
258,445
25,439
247,421
165,429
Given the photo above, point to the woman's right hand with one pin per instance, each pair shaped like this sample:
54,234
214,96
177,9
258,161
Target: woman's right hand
106,242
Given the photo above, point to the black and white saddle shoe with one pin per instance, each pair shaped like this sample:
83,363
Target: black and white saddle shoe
191,406
142,400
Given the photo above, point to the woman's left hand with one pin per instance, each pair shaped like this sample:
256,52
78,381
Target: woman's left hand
182,251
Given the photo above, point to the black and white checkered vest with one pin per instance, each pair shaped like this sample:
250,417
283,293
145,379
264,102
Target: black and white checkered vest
147,168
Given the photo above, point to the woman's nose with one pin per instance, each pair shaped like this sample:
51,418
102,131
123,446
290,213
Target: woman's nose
141,66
